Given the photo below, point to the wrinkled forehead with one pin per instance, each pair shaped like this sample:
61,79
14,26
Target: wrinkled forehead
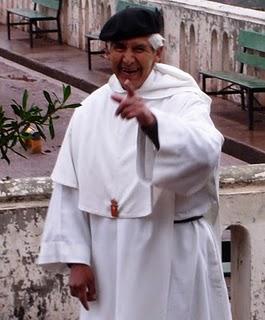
135,41
155,41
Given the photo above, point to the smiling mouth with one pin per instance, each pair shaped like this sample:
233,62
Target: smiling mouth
129,71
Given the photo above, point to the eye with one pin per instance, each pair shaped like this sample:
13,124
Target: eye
139,49
118,47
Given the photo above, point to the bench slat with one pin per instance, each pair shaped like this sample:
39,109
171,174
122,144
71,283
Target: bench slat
122,4
30,14
53,4
237,78
251,59
252,40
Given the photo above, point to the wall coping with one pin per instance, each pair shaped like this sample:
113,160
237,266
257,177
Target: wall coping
39,188
216,8
242,176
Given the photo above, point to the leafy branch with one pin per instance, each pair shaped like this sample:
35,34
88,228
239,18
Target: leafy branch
14,130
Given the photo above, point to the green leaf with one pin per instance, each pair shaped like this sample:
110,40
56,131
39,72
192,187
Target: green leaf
47,96
25,99
14,101
35,109
71,106
51,108
39,128
4,154
17,110
18,153
56,98
14,141
51,128
66,92
22,140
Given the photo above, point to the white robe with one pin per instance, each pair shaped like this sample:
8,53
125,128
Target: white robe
146,267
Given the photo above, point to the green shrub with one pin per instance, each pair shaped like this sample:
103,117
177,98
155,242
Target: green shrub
13,130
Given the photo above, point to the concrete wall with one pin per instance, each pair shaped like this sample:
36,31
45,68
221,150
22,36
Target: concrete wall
242,207
28,292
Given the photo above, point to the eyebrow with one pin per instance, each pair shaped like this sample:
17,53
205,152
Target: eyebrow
136,45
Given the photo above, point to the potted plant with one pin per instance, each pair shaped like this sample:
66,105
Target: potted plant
27,126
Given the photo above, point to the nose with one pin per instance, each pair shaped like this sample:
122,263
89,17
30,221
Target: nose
128,57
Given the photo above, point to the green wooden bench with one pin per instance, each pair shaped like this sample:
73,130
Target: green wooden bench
252,47
121,4
31,17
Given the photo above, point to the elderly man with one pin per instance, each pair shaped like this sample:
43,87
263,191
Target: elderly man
134,182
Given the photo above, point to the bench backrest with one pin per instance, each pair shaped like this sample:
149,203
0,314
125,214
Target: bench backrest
122,4
253,43
52,4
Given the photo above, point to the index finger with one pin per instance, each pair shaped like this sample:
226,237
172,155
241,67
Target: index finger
83,298
129,88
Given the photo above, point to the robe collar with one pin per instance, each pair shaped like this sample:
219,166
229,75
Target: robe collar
163,81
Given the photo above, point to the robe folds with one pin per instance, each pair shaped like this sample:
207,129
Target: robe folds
146,267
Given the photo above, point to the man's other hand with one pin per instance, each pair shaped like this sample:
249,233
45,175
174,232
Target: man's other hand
82,283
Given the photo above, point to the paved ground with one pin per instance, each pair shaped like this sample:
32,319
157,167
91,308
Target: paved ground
13,80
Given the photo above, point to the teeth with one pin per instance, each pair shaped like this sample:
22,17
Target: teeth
129,71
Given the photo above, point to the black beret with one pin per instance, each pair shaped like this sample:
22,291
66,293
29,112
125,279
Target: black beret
130,23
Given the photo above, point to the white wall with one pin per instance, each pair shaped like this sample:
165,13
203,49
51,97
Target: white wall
27,290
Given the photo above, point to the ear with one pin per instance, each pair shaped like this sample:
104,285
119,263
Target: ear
159,52
107,51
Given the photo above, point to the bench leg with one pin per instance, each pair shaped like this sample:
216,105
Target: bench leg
89,54
8,25
31,33
243,106
250,103
59,32
203,83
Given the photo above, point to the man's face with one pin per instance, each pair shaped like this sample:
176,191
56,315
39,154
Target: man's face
133,59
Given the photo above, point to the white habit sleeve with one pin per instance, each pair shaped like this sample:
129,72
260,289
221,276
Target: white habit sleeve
190,147
66,237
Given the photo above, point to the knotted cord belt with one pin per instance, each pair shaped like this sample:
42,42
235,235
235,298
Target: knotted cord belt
188,219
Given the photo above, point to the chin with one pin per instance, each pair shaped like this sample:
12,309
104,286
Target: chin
135,82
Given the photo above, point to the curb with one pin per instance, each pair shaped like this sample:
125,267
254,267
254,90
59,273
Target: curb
48,71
